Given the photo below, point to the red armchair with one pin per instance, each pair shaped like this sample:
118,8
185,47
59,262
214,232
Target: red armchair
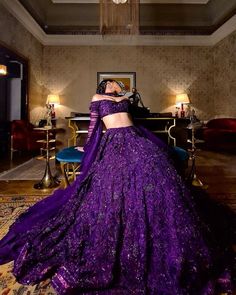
220,134
24,137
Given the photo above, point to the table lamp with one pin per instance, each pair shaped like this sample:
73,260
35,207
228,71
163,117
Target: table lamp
182,99
53,100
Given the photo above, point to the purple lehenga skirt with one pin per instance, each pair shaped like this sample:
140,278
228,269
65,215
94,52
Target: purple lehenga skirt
130,226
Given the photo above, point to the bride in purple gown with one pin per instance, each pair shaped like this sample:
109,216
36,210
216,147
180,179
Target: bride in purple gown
127,225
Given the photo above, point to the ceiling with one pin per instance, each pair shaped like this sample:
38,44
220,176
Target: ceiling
157,17
142,1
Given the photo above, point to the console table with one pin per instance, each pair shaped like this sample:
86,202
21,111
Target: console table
163,126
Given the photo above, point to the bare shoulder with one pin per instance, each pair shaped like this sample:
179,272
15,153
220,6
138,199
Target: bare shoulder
97,97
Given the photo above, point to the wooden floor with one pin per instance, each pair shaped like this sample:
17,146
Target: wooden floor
6,163
19,187
217,170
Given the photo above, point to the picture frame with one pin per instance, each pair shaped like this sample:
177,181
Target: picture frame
127,78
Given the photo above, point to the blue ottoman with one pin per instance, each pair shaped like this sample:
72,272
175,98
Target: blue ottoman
70,159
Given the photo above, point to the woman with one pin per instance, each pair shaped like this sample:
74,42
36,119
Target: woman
127,225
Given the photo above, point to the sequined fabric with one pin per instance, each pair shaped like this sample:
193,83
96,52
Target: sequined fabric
107,107
129,227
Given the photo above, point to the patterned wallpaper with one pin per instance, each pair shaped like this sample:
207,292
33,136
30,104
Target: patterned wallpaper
161,72
207,74
225,77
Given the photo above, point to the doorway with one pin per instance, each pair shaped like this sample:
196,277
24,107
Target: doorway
13,94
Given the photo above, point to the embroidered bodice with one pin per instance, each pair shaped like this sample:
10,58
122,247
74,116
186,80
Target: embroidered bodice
102,108
106,107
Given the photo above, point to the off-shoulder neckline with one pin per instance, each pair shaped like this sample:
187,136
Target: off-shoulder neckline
109,100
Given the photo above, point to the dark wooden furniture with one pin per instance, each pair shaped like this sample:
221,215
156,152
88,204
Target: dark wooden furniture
5,134
170,129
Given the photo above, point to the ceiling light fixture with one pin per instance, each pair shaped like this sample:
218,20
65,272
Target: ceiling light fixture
119,1
119,17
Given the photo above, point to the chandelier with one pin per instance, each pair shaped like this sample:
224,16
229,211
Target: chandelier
119,1
118,19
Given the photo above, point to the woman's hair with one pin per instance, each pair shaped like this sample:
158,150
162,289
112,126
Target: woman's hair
101,89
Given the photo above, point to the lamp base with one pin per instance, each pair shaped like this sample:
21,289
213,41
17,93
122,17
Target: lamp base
48,181
197,182
182,112
54,122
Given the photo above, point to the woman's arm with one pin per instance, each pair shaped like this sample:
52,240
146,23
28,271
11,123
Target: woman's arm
94,117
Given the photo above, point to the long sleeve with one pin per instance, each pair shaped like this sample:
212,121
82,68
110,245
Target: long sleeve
95,124
93,139
94,117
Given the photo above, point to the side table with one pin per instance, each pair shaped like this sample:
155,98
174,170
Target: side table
48,180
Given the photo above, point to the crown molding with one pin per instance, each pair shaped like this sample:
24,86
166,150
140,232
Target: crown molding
226,29
124,40
141,1
23,16
30,24
74,1
175,1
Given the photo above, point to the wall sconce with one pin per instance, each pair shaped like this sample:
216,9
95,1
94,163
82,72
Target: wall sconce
3,70
182,99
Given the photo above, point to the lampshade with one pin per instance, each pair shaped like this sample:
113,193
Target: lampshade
53,99
3,70
182,98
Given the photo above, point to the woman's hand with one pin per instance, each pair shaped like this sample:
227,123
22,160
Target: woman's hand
79,148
